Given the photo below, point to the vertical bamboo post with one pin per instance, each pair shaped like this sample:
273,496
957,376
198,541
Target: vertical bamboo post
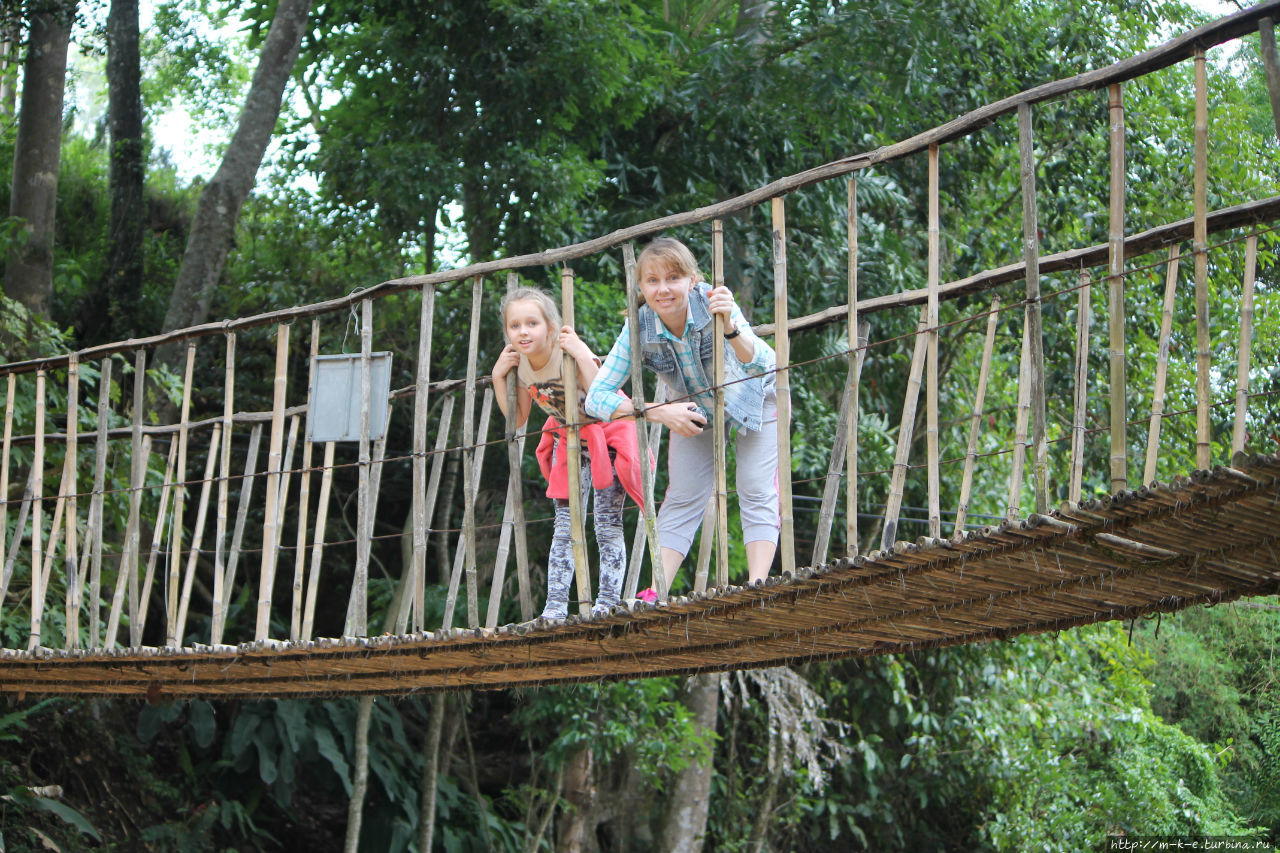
1200,253
167,486
242,513
37,520
1115,282
304,496
267,576
902,457
573,430
357,623
1162,367
132,546
857,341
650,441
513,515
782,346
475,466
931,365
10,383
1084,308
179,503
1034,323
433,484
1021,438
94,533
224,488
839,451
75,582
15,546
706,542
364,537
718,435
975,420
416,595
644,440
1271,66
197,533
317,542
470,479
1246,342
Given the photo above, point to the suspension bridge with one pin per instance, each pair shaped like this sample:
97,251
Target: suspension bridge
208,575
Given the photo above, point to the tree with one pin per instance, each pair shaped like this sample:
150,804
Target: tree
213,230
34,194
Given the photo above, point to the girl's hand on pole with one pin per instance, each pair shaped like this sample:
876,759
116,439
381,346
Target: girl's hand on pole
573,345
508,360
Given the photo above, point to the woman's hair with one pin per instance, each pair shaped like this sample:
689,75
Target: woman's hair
550,311
670,253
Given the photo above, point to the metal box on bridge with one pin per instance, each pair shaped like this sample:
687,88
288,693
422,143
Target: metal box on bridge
334,411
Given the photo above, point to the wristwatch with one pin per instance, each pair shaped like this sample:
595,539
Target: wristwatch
737,330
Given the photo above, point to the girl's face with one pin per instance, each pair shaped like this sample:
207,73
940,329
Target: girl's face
666,290
527,329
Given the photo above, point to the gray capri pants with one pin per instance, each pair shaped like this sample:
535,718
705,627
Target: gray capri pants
691,478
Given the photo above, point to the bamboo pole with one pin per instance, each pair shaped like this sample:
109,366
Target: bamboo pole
317,542
1162,367
470,479
24,509
975,420
237,534
476,466
856,341
1020,439
75,583
721,505
37,520
931,364
357,621
1034,323
839,451
42,578
1084,308
1200,254
94,533
706,544
4,471
167,487
304,498
421,410
782,346
179,505
897,481
1271,66
433,488
270,529
513,522
132,548
197,533
503,552
1115,282
365,536
577,534
1239,431
650,440
650,515
224,489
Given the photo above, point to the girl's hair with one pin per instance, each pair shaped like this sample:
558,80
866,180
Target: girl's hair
550,311
670,253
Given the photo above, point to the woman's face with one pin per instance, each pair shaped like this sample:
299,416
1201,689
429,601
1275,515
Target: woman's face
666,290
527,329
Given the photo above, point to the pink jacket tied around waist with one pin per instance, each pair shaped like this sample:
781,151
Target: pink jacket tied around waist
598,438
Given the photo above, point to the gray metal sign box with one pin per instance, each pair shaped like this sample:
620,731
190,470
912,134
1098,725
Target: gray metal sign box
334,412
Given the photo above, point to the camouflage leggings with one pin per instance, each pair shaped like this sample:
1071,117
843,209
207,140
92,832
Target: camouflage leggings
609,541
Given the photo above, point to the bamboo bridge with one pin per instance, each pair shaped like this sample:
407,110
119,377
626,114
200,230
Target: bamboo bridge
210,576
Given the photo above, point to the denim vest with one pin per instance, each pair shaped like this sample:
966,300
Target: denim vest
743,394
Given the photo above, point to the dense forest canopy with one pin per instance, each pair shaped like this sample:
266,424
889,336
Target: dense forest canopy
349,143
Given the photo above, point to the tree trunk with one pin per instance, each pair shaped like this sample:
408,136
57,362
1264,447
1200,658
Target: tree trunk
355,808
37,151
578,834
111,312
220,202
684,826
427,804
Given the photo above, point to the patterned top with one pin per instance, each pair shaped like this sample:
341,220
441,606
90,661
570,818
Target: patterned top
603,398
546,386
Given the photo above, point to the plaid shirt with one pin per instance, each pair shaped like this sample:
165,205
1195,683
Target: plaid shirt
603,397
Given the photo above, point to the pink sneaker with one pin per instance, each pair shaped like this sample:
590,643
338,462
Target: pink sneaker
647,595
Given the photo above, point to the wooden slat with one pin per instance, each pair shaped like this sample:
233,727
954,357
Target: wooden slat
1162,368
179,503
720,493
975,420
470,478
475,466
902,457
74,579
1084,309
237,534
167,488
421,409
931,363
224,486
782,346
1020,434
270,527
1115,288
1200,255
197,532
840,454
317,544
37,520
1239,430
857,341
1035,328
94,532
357,622
304,497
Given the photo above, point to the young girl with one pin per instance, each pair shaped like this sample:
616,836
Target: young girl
535,344
676,339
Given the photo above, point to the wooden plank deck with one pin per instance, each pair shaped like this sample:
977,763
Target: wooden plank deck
1211,537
